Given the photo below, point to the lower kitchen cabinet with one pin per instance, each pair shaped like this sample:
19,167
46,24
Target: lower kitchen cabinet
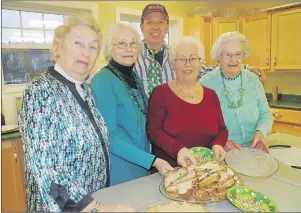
287,121
12,187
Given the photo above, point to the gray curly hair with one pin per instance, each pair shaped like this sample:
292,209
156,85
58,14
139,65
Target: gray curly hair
226,38
186,40
111,34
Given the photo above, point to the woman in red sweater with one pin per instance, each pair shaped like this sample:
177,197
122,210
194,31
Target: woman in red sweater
183,114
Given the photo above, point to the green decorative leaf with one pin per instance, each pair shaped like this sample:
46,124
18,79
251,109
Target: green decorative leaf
242,90
226,92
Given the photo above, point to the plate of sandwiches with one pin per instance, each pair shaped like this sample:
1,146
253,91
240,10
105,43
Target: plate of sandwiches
203,182
173,207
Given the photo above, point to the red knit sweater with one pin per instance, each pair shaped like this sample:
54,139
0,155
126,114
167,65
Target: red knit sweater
173,123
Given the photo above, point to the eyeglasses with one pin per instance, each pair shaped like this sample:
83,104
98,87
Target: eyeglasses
124,45
193,60
237,55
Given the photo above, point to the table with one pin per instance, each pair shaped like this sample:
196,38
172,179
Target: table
143,191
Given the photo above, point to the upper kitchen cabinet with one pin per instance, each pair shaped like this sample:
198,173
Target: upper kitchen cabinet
201,28
257,29
223,25
286,40
207,40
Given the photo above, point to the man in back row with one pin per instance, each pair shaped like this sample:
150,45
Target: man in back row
152,65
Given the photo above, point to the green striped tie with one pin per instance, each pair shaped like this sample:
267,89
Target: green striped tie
153,78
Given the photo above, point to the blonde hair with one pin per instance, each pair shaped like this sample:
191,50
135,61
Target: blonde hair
226,38
111,34
186,40
72,21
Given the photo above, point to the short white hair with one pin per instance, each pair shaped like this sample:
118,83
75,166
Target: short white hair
226,38
186,40
113,33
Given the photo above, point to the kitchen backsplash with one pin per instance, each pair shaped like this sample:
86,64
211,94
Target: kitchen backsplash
287,82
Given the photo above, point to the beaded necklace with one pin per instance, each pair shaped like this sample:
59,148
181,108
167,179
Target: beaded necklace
229,78
227,92
134,98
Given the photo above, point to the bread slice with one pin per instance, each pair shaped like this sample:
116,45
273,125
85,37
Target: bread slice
186,186
213,177
192,174
181,188
172,176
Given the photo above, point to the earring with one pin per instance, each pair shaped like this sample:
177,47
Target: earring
58,56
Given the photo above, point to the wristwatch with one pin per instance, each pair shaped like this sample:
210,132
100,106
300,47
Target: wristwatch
94,209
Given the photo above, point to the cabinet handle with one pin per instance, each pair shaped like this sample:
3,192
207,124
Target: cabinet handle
15,155
277,115
267,62
274,62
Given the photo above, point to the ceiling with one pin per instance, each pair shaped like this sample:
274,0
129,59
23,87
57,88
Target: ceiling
234,8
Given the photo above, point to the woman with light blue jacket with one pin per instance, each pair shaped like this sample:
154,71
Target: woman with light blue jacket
244,105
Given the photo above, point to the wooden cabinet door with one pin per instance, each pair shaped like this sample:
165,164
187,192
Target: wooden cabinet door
257,30
286,40
194,27
287,128
13,194
223,25
201,28
207,41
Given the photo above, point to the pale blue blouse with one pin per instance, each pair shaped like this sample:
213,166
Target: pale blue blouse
253,115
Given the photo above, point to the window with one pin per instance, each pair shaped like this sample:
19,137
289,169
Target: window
26,40
18,64
136,25
22,27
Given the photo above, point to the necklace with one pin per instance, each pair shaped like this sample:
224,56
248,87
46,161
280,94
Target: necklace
184,93
229,78
131,93
131,79
227,93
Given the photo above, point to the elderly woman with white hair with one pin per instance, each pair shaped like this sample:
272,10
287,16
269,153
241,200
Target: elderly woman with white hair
65,138
121,100
182,113
245,108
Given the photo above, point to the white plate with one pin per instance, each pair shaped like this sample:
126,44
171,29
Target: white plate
152,207
252,162
9,128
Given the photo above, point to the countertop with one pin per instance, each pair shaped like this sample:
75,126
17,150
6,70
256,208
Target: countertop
285,104
143,191
10,136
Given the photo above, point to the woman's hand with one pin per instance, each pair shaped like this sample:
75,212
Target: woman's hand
219,152
108,207
185,155
231,145
259,142
162,166
259,71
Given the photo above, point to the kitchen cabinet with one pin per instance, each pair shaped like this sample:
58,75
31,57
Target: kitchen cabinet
201,28
223,25
287,121
12,187
274,37
207,40
286,40
257,29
